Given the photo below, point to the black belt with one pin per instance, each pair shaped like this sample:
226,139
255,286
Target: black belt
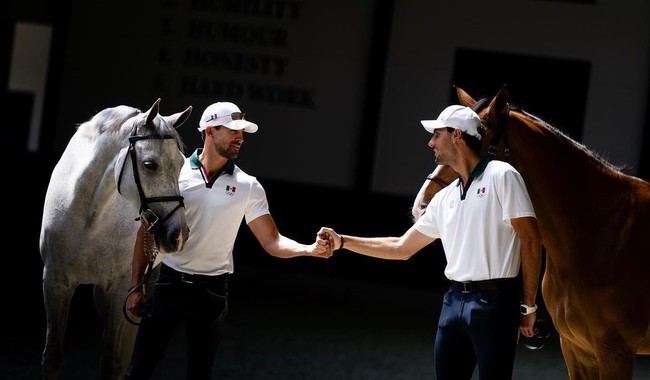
477,286
169,273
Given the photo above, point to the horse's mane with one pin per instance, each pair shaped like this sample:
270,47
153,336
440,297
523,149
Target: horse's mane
111,120
566,139
562,137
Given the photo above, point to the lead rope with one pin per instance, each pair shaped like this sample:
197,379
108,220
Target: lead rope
150,250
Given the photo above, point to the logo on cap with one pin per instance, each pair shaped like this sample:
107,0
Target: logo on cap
212,117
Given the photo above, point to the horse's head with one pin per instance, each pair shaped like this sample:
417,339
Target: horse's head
494,114
442,176
147,172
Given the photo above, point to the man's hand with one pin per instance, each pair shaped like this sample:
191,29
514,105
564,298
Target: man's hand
527,325
135,302
321,247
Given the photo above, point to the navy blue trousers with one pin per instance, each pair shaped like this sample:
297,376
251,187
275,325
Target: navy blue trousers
477,328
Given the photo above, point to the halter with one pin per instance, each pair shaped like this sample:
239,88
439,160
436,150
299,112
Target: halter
148,215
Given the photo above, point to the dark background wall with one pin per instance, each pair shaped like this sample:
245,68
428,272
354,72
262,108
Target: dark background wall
337,87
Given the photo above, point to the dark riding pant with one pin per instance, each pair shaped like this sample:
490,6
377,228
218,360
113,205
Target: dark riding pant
478,326
198,301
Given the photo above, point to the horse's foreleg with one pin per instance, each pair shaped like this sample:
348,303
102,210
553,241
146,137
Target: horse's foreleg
57,294
580,365
119,334
615,358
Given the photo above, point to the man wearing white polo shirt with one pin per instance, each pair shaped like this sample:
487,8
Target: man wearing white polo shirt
489,233
192,284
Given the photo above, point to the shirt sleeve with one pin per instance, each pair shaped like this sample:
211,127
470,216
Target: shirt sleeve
257,203
514,195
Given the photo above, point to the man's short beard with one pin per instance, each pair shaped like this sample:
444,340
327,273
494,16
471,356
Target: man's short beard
444,160
227,153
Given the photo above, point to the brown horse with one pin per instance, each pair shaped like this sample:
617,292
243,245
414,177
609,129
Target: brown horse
594,220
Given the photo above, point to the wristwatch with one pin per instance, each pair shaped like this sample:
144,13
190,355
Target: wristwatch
525,309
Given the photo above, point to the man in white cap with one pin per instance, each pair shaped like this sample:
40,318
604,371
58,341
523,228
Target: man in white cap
489,232
192,284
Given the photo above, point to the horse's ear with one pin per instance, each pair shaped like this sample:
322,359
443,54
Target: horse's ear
153,111
178,119
498,104
464,98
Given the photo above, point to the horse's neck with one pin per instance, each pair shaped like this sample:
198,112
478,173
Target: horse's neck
569,187
94,160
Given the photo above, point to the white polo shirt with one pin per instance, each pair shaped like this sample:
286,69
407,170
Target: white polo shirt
215,211
477,237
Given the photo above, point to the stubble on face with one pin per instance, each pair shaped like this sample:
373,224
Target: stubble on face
225,150
447,155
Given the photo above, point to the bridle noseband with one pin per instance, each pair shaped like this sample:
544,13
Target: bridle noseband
153,222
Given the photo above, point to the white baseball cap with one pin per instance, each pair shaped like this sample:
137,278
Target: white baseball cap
226,114
456,116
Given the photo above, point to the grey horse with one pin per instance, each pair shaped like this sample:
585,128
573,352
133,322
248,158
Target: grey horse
120,166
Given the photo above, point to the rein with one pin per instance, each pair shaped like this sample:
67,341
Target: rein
537,341
150,250
439,181
151,220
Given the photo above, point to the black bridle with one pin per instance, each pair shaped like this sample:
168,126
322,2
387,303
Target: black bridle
499,128
500,131
153,221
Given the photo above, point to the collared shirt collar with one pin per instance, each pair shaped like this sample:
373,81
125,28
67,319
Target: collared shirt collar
478,169
476,172
195,163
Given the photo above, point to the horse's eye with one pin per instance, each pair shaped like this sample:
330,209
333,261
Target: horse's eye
150,165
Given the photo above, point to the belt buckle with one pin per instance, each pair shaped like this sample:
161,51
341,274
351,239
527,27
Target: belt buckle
184,280
467,287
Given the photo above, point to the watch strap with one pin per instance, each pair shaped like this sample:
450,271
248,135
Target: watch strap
525,309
